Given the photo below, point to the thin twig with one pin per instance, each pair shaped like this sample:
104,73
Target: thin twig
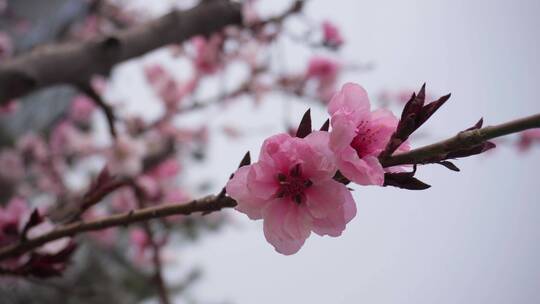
108,110
465,139
204,205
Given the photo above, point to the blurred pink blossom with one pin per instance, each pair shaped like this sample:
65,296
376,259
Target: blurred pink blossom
167,169
141,242
292,190
528,138
81,109
12,214
249,13
124,200
52,247
126,156
66,139
11,165
149,186
32,146
332,36
207,54
325,72
170,91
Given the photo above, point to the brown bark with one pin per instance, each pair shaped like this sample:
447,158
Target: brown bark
74,63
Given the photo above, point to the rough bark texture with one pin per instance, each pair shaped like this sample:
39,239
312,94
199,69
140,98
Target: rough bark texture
75,62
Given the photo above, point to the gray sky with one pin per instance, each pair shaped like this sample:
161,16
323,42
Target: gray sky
471,238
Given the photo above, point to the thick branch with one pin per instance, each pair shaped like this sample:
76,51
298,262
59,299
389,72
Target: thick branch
75,62
205,205
462,140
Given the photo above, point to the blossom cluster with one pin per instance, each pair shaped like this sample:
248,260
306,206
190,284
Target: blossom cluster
59,173
292,187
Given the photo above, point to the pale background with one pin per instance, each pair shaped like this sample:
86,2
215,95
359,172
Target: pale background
472,238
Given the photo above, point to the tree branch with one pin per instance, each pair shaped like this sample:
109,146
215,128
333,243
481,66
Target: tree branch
75,62
107,109
205,205
462,140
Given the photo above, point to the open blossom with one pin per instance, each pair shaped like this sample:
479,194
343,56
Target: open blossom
292,190
325,72
359,135
528,138
331,35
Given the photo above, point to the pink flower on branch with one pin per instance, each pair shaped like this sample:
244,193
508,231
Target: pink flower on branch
331,35
292,190
359,135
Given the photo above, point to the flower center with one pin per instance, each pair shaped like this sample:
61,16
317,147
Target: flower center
363,140
293,185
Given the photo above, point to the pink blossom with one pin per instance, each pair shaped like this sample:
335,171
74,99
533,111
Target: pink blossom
124,200
12,214
528,138
141,242
167,169
66,139
325,71
126,156
332,36
170,91
32,147
175,195
359,135
249,13
292,190
81,109
149,186
11,219
52,247
11,165
207,54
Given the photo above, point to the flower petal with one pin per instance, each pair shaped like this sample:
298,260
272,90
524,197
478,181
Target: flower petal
275,215
237,189
351,98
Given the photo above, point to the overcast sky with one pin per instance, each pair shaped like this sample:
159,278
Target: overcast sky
472,238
